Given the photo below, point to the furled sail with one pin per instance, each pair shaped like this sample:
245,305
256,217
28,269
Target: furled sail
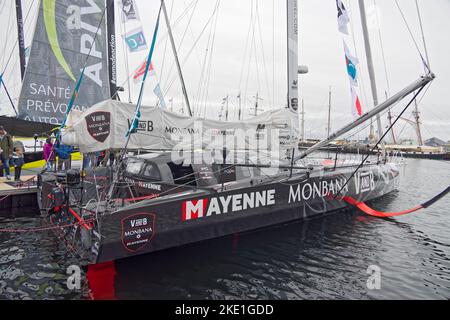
68,35
105,125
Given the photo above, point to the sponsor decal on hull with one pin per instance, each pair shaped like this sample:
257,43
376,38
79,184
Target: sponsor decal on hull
363,182
138,230
195,209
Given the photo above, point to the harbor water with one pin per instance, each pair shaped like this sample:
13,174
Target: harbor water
333,257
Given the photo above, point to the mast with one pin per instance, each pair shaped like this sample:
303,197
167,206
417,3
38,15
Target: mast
303,121
292,54
180,74
226,110
390,124
111,30
394,141
240,110
329,114
368,50
417,118
21,37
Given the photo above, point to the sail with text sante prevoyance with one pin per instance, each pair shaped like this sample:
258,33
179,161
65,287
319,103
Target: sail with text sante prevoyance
69,35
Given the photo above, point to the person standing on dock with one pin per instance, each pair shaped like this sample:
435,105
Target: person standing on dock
6,146
17,162
49,154
64,154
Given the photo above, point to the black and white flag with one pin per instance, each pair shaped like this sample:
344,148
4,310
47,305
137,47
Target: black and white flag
343,18
129,10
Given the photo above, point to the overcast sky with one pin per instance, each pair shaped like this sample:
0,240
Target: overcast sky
264,71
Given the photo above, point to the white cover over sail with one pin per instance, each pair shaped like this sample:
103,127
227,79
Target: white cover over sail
104,126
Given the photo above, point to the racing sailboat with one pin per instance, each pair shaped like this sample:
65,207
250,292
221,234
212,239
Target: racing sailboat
188,183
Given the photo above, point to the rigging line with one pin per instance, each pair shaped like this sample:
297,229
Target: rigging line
15,44
379,141
202,75
8,26
182,40
196,51
426,66
249,58
246,47
14,61
204,65
386,111
256,52
202,79
418,103
382,48
423,34
9,97
189,53
211,59
165,43
3,7
273,52
264,57
175,24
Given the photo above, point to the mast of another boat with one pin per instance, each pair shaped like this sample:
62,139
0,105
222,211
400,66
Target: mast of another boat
302,137
292,54
368,49
417,119
20,37
111,31
329,114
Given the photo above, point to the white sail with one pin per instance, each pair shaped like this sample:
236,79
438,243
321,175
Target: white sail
64,34
104,126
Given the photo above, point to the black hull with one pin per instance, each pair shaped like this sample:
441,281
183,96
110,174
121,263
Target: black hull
170,223
33,156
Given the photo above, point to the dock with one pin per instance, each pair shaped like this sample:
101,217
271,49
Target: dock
16,196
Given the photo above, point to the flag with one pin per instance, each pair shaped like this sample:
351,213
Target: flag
350,63
137,114
135,40
140,71
343,18
157,91
356,103
129,10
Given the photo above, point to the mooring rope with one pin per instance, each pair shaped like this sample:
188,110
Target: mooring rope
375,213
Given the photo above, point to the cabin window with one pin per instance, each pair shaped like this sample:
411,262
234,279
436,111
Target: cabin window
134,167
151,172
225,172
242,173
205,175
183,175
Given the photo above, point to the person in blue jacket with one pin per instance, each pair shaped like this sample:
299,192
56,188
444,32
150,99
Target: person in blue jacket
63,151
17,162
